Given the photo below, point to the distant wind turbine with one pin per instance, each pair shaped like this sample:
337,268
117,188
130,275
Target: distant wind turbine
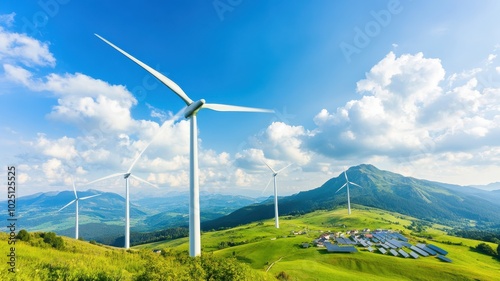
76,206
128,174
346,184
190,113
275,173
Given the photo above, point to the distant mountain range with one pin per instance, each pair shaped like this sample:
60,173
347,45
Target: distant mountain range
444,203
491,186
103,216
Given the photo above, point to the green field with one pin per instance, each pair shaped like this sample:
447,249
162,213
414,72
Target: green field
263,244
251,250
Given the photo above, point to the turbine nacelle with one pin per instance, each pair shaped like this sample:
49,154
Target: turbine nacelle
193,108
125,176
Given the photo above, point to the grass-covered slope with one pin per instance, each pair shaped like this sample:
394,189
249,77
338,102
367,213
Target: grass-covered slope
260,245
79,260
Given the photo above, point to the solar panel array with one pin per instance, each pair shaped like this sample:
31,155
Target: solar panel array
387,242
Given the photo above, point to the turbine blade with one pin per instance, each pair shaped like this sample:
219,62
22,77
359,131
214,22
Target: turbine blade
165,124
74,188
105,178
341,187
284,168
67,205
225,107
267,185
274,172
166,81
355,184
346,179
87,197
144,181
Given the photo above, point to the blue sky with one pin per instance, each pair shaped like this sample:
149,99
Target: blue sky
409,86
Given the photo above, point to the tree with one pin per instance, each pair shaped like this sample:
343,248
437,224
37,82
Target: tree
498,251
23,235
485,249
53,240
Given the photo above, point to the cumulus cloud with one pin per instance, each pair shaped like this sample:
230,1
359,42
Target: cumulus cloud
20,48
407,106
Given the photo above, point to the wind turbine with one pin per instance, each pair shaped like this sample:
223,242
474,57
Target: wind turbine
190,113
76,206
346,184
275,173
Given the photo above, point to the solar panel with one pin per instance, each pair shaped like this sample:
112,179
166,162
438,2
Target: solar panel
390,245
419,251
382,250
403,253
425,248
334,248
443,258
406,244
413,255
401,237
437,249
393,252
396,243
370,249
385,246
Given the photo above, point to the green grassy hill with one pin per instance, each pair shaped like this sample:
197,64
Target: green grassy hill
258,251
260,245
82,261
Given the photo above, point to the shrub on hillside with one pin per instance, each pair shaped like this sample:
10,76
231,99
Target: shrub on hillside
53,240
23,235
485,249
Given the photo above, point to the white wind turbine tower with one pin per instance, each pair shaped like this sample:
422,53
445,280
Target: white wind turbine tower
76,206
275,173
190,113
346,184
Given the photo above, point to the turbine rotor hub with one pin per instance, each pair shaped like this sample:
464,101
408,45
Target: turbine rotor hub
193,108
125,176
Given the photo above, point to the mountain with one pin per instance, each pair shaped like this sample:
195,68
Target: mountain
102,217
491,186
449,204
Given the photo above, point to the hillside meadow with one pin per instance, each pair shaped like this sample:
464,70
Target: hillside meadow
261,245
80,260
257,251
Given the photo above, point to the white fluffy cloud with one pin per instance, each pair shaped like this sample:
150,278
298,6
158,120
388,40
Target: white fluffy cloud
406,106
22,48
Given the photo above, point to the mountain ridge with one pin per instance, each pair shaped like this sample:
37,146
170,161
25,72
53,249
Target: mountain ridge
380,189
